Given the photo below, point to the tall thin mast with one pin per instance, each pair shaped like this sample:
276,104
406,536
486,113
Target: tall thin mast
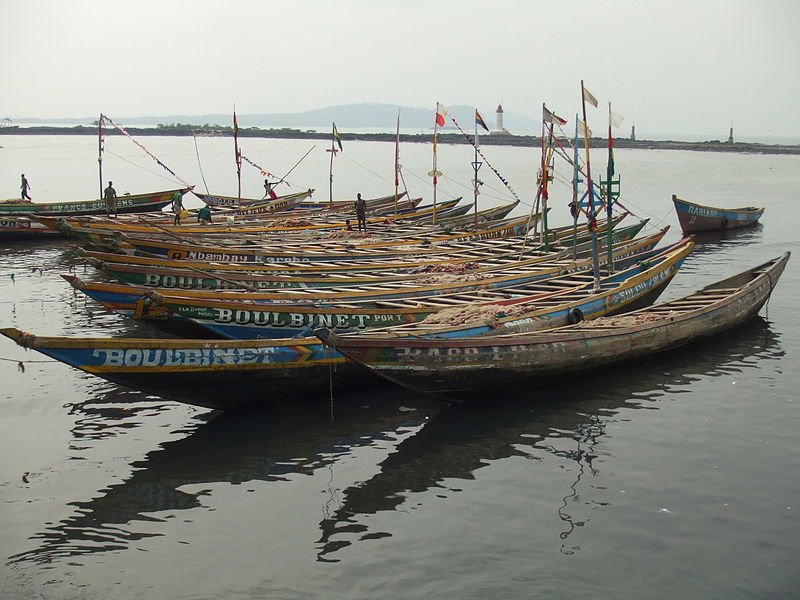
476,165
100,152
434,172
592,216
576,179
238,155
397,161
330,169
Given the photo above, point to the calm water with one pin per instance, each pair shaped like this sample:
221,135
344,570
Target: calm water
677,478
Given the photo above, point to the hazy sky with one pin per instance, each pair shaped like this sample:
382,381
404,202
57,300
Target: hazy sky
677,66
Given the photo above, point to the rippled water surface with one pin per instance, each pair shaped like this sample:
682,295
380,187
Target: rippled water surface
672,478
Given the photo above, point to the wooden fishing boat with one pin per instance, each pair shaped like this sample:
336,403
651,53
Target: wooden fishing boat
321,251
22,228
695,218
125,204
226,374
470,367
207,278
366,294
373,204
281,203
455,255
527,306
220,374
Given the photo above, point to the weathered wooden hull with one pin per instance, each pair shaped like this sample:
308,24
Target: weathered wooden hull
125,204
281,203
213,373
220,374
174,278
264,255
532,306
470,367
491,249
22,228
695,218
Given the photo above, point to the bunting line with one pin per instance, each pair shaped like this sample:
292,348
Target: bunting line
488,164
264,172
146,151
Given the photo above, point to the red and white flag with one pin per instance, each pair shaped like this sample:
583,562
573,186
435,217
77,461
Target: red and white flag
441,113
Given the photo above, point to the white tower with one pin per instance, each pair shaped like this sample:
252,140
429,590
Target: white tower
499,129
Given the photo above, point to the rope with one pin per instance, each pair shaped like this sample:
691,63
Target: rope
146,151
197,152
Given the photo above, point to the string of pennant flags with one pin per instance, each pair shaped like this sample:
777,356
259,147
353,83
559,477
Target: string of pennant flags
146,151
485,160
264,172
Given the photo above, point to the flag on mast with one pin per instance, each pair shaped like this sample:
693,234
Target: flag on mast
479,120
441,113
588,97
616,119
336,137
551,117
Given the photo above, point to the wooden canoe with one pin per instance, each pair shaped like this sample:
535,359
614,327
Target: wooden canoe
456,254
269,205
175,277
127,203
470,367
694,218
22,228
534,305
221,374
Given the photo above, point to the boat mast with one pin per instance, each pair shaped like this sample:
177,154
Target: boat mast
576,180
476,165
435,173
547,131
100,151
397,161
237,155
592,215
612,185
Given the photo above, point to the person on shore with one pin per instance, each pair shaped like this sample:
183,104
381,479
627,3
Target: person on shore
348,226
269,189
204,215
177,207
110,196
25,186
361,212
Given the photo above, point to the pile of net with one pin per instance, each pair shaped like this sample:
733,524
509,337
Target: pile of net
474,314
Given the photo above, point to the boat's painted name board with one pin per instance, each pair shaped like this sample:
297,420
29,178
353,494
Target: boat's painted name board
178,254
210,283
289,320
633,292
189,357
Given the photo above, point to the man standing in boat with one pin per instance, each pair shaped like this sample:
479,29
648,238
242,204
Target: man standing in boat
361,212
268,191
177,207
110,196
25,186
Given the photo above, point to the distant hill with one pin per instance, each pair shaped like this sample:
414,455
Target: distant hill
378,117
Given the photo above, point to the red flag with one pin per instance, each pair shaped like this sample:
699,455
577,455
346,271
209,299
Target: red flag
441,113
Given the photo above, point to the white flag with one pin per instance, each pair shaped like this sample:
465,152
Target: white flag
583,130
587,95
615,118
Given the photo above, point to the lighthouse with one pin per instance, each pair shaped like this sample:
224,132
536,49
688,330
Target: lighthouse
499,129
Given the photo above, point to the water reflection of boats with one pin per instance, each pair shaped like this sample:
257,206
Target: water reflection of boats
444,443
466,437
265,445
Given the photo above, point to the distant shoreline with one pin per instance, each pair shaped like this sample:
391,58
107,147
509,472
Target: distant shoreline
444,138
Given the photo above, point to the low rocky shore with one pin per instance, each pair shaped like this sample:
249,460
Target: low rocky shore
423,138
